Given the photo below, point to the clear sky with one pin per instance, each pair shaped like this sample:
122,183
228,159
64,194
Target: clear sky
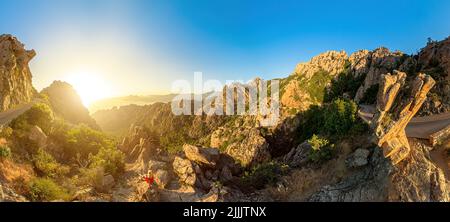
141,46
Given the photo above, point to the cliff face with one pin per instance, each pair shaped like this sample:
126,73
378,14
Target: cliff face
15,75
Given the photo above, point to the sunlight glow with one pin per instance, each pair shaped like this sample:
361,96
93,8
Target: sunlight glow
90,86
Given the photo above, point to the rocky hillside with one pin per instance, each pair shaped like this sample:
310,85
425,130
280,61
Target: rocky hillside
15,76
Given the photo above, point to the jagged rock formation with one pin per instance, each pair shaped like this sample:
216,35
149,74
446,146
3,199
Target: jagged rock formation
202,167
67,104
436,53
414,179
389,125
373,65
15,75
434,60
140,145
332,62
319,72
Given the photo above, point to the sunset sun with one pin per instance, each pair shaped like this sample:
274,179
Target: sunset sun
90,86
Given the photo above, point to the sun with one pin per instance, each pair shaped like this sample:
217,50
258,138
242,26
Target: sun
89,86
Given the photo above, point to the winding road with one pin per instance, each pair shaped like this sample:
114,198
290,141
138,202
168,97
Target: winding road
9,115
418,127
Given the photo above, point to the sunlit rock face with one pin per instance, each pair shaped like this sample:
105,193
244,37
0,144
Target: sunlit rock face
397,103
373,64
15,76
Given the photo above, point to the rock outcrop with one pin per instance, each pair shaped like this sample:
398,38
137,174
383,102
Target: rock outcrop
389,123
295,91
140,145
332,62
436,53
243,142
38,136
373,64
202,167
15,75
416,179
9,195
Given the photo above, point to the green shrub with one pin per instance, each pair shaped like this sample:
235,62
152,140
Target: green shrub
340,116
48,166
84,141
6,132
370,96
110,159
40,115
44,189
337,119
264,174
322,150
344,83
5,151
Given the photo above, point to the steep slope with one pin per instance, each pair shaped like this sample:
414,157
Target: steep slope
15,76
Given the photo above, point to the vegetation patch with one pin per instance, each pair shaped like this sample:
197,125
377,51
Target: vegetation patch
264,174
5,151
44,189
322,150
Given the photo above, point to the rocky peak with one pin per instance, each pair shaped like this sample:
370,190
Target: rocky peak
67,104
15,76
436,53
332,62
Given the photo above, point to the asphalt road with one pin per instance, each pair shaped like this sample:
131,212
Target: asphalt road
419,127
9,115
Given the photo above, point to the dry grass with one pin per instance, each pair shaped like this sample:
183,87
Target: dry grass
11,171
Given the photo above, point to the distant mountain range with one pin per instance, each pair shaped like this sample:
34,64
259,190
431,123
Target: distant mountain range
129,100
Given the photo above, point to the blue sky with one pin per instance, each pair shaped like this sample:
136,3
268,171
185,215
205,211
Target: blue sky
140,47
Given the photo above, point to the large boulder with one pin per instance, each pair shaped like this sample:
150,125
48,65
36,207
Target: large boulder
242,141
298,156
15,76
38,136
203,156
252,150
185,171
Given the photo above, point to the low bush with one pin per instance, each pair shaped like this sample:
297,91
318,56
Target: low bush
46,164
322,150
264,174
110,159
40,115
5,151
44,189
